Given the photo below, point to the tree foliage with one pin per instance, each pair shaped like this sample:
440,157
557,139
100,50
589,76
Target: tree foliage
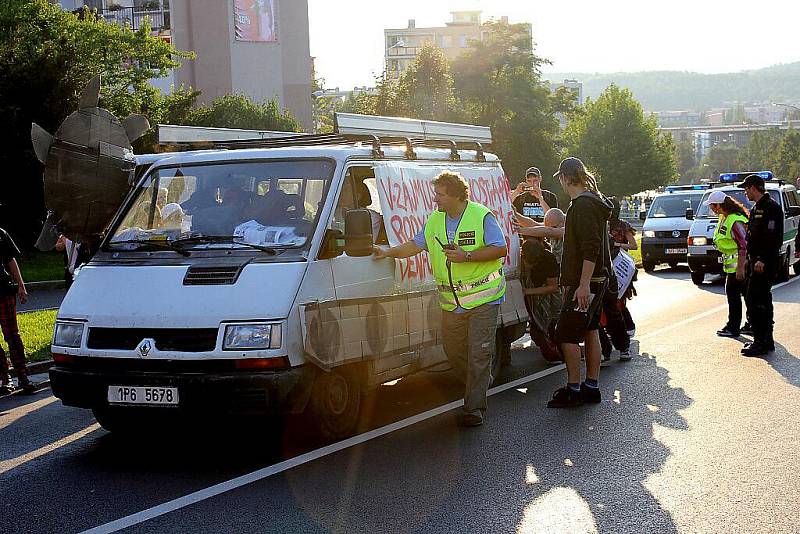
240,111
775,150
686,161
498,82
47,56
622,147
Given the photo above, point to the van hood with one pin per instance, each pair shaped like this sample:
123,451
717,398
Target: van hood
156,297
662,224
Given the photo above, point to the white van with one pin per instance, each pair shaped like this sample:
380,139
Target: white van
705,259
666,228
260,294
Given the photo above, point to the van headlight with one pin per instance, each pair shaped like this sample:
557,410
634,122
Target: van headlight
649,233
252,336
68,334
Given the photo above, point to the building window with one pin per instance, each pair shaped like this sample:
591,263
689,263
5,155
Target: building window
447,41
462,41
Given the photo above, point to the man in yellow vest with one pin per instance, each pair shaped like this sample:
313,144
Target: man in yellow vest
730,239
466,248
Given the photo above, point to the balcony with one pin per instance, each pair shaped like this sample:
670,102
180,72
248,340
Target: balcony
134,16
403,51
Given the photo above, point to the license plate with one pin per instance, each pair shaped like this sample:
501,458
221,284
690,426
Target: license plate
676,251
149,395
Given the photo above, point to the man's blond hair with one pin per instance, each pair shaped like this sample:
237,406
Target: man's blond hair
453,183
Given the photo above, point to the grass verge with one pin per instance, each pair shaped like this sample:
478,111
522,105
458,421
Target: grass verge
637,254
41,266
36,329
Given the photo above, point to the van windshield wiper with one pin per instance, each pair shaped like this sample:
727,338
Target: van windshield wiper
156,244
202,239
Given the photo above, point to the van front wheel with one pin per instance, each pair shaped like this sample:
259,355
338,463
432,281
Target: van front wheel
335,403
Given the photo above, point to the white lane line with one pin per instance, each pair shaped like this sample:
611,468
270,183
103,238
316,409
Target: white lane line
706,313
8,465
260,474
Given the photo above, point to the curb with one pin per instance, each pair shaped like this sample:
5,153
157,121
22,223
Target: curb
47,285
35,368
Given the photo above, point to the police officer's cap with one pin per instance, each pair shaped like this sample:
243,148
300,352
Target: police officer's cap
752,180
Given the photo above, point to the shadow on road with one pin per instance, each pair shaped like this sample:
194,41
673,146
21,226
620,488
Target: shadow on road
785,363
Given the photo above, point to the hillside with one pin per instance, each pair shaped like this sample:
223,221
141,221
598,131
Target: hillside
673,90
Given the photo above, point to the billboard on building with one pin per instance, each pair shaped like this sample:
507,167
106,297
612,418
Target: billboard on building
254,20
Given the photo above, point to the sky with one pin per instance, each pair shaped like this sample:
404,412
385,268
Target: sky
708,36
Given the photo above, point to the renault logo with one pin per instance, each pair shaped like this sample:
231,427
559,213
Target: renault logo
676,233
145,347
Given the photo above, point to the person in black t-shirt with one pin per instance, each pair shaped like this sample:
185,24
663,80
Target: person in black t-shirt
530,200
540,273
11,287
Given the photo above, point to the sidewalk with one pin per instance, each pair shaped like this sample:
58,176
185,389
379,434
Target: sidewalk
42,381
42,296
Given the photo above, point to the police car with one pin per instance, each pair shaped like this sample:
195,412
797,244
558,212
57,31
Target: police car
704,257
666,227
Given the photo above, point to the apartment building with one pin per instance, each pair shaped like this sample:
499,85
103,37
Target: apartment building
259,48
401,45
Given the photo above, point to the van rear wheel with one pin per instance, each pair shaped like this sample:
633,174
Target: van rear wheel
698,277
783,272
335,403
649,266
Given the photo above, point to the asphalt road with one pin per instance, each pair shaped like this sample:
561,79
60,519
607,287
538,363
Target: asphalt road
690,437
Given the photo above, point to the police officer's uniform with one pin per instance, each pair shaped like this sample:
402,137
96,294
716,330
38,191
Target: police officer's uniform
764,241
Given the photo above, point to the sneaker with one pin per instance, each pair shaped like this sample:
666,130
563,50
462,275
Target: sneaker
746,329
727,332
470,419
606,357
565,397
590,395
632,332
5,389
625,355
756,348
28,387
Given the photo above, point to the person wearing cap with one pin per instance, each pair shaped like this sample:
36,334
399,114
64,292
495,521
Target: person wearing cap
585,272
530,200
764,241
730,239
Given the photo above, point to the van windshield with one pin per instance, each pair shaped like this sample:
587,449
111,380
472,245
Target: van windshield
705,212
673,205
265,204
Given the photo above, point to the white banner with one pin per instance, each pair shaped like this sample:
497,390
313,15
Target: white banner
625,268
405,190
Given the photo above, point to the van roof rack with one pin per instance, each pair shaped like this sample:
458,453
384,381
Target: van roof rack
377,131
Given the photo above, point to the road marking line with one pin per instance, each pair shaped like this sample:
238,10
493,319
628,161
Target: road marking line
8,465
260,474
703,315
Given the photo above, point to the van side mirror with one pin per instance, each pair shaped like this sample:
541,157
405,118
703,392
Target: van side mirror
332,244
642,215
793,211
690,214
358,233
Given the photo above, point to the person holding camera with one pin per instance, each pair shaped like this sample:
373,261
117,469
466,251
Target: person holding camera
530,200
466,247
11,287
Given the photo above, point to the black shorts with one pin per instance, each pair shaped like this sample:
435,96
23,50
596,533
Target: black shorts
573,324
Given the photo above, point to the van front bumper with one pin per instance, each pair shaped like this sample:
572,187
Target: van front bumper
246,393
705,259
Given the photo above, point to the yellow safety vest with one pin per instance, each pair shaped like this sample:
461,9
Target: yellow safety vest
725,242
468,284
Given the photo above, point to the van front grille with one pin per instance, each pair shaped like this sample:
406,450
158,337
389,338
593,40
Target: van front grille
212,276
167,339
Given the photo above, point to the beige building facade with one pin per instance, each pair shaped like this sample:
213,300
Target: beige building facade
402,45
278,66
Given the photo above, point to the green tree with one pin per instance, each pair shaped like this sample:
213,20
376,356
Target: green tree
240,111
787,165
47,56
425,89
622,147
498,81
686,160
721,158
760,151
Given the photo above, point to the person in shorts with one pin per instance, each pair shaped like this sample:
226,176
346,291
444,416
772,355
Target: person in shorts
585,271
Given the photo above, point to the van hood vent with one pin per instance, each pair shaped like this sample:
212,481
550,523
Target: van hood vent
212,276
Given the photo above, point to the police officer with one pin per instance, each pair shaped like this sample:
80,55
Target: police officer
764,240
